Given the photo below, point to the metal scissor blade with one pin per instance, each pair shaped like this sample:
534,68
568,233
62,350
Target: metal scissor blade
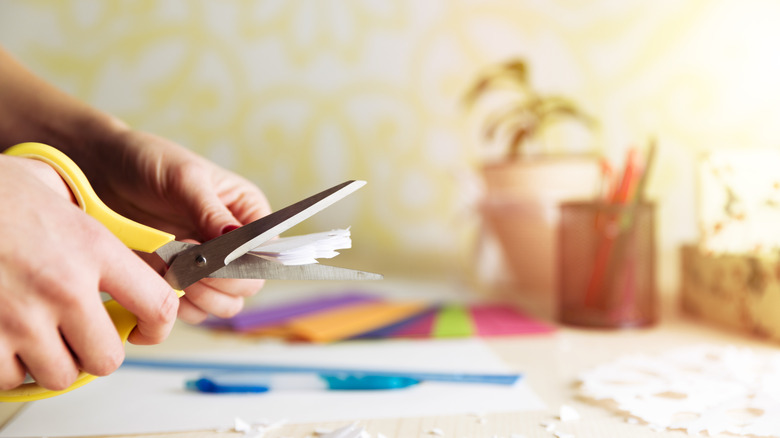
200,261
172,249
252,266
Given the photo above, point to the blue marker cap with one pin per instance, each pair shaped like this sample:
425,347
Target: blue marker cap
205,384
366,382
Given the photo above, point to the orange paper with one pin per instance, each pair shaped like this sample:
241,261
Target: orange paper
347,322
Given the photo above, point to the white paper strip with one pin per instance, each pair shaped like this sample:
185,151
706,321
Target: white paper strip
305,249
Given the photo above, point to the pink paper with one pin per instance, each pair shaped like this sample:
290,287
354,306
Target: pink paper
497,320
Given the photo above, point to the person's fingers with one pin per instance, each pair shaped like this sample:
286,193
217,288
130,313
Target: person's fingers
47,175
214,301
234,286
30,328
190,313
202,202
51,319
12,371
46,357
246,202
88,330
142,291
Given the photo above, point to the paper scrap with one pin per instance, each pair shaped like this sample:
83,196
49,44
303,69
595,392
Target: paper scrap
480,418
704,388
241,426
353,430
305,249
568,413
255,430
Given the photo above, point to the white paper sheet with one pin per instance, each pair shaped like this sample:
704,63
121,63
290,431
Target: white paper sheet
133,401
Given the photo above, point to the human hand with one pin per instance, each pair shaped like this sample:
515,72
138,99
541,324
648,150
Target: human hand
161,184
53,262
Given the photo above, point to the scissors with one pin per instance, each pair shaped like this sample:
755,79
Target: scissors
226,256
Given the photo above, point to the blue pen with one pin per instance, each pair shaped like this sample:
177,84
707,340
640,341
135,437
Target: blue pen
220,367
264,382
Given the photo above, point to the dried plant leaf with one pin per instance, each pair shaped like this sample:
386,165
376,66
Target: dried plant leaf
529,112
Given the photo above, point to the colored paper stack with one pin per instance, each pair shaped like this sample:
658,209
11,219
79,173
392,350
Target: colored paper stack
357,315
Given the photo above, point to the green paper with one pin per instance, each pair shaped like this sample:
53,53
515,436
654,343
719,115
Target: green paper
453,321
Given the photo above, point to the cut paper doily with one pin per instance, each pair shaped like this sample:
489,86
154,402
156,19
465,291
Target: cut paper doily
700,389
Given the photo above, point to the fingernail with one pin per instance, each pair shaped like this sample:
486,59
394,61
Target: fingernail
229,228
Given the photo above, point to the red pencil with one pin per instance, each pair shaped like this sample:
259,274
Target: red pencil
622,195
630,177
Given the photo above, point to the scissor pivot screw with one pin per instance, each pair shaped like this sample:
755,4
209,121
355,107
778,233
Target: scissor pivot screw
200,260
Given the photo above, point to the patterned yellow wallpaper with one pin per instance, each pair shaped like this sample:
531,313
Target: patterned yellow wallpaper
301,94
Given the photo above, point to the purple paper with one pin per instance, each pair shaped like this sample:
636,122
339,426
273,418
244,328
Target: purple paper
392,330
419,328
252,319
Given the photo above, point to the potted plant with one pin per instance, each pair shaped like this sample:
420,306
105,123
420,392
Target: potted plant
528,179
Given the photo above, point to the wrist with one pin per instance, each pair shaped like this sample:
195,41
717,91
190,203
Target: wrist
34,110
87,135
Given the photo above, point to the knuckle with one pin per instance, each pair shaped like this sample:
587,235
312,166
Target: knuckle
168,308
59,378
21,326
106,364
211,214
187,173
10,382
190,170
66,284
12,377
165,315
14,325
71,296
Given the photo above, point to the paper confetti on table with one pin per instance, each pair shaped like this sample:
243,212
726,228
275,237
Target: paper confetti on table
703,388
353,430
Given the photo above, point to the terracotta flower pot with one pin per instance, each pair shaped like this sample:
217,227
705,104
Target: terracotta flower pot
520,208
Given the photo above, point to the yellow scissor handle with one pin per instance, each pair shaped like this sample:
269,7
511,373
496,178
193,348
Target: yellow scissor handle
136,236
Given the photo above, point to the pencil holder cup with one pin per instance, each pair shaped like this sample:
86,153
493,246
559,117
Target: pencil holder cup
606,265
